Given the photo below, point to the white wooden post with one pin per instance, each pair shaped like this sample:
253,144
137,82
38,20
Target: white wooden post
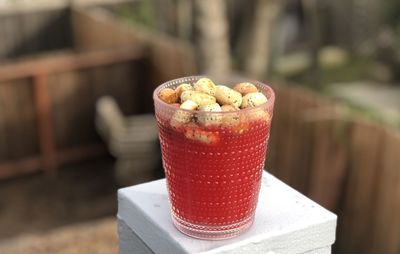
286,222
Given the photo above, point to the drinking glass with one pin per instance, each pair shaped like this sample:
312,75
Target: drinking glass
213,173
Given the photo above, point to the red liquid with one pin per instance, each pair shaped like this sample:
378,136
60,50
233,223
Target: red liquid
215,181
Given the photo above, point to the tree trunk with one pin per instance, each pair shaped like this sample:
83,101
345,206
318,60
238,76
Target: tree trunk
184,19
314,39
212,36
259,56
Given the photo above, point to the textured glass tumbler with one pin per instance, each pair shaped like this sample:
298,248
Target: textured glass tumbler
213,162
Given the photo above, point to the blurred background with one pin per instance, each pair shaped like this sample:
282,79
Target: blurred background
76,124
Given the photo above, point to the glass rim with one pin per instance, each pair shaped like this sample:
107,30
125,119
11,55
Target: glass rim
268,104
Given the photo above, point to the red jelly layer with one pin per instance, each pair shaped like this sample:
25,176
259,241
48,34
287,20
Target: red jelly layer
213,174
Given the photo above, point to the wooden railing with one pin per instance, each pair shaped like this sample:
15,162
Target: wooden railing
39,70
62,90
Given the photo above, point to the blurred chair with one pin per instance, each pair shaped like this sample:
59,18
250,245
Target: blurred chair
132,140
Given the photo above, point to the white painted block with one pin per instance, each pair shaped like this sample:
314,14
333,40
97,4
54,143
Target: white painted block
129,242
286,222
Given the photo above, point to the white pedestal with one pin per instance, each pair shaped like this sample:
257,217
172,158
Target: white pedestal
285,222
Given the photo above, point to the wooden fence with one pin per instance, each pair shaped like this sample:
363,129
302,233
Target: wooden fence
47,103
48,106
347,164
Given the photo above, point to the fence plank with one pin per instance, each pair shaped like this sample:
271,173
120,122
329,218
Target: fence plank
277,131
272,152
395,162
359,201
392,163
305,130
26,119
18,135
289,139
45,127
69,62
119,81
73,108
328,164
127,92
6,96
283,122
385,233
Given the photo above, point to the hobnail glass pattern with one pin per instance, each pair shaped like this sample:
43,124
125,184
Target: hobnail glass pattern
214,172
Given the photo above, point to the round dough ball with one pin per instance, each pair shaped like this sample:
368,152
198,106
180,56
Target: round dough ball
245,88
168,95
205,85
253,100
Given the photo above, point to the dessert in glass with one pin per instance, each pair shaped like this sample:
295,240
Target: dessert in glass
214,135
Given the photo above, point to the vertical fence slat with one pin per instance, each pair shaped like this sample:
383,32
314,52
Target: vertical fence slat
286,140
305,132
392,161
395,160
299,154
328,167
6,119
25,118
359,200
119,81
279,126
272,153
386,227
127,93
73,103
45,126
17,120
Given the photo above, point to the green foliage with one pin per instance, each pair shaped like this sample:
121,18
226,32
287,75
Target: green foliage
356,69
142,13
397,36
391,12
371,114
